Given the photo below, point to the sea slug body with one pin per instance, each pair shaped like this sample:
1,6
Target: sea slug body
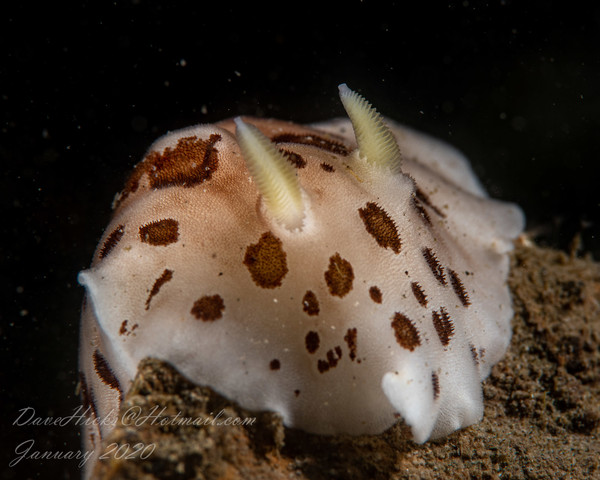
342,274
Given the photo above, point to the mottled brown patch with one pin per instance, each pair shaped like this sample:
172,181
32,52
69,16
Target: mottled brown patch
421,211
87,398
105,372
434,265
339,276
295,159
424,198
160,233
208,308
191,162
312,341
406,333
435,383
443,325
111,241
375,294
419,294
459,288
328,168
266,261
312,140
310,304
350,339
381,226
165,276
275,364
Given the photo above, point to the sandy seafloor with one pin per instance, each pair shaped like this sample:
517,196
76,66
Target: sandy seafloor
85,87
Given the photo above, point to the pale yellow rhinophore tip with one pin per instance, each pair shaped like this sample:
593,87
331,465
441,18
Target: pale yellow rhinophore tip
375,141
274,176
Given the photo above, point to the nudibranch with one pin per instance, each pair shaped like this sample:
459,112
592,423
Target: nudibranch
342,274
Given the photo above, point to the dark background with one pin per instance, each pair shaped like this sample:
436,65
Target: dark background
84,89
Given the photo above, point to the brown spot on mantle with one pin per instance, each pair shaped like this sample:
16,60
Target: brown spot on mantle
434,265
124,330
275,364
339,276
312,341
350,339
208,308
165,276
381,226
160,233
474,354
459,288
419,294
435,384
266,261
375,294
333,357
111,241
295,159
406,333
443,325
312,140
105,372
310,304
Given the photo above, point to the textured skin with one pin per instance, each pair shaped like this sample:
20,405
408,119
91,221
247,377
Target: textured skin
392,299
